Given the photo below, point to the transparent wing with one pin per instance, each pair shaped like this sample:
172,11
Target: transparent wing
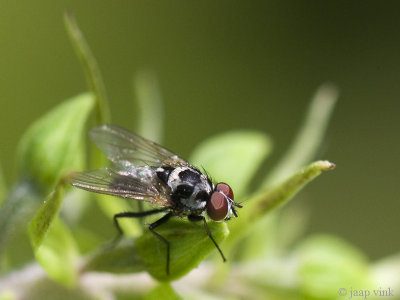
110,181
129,150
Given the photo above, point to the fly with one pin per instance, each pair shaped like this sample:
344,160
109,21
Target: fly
145,171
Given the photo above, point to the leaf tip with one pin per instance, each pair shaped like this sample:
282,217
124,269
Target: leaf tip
68,14
69,20
326,165
327,92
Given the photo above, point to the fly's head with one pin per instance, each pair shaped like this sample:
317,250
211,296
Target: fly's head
221,205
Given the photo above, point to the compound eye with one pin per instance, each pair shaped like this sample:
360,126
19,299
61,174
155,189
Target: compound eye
217,208
226,189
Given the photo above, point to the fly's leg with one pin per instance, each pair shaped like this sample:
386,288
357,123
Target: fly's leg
154,225
202,218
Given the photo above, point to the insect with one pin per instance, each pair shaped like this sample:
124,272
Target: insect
145,171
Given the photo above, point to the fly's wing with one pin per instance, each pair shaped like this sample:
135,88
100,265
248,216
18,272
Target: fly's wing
111,181
129,150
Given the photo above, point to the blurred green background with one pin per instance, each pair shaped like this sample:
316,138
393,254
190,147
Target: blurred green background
228,65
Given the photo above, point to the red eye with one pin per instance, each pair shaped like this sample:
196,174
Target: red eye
217,208
226,189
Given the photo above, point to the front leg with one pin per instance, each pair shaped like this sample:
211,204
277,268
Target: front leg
194,218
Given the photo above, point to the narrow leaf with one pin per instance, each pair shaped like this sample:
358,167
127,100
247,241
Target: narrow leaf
309,137
301,152
58,254
189,246
269,199
40,224
233,157
92,71
53,244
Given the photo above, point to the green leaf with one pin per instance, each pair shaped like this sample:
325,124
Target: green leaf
189,244
309,138
163,291
53,144
50,147
233,157
269,199
328,263
53,244
58,254
149,103
40,224
92,71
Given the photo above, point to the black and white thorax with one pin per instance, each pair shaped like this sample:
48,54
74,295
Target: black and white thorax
190,189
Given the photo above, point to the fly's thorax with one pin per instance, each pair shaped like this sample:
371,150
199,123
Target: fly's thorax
190,189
